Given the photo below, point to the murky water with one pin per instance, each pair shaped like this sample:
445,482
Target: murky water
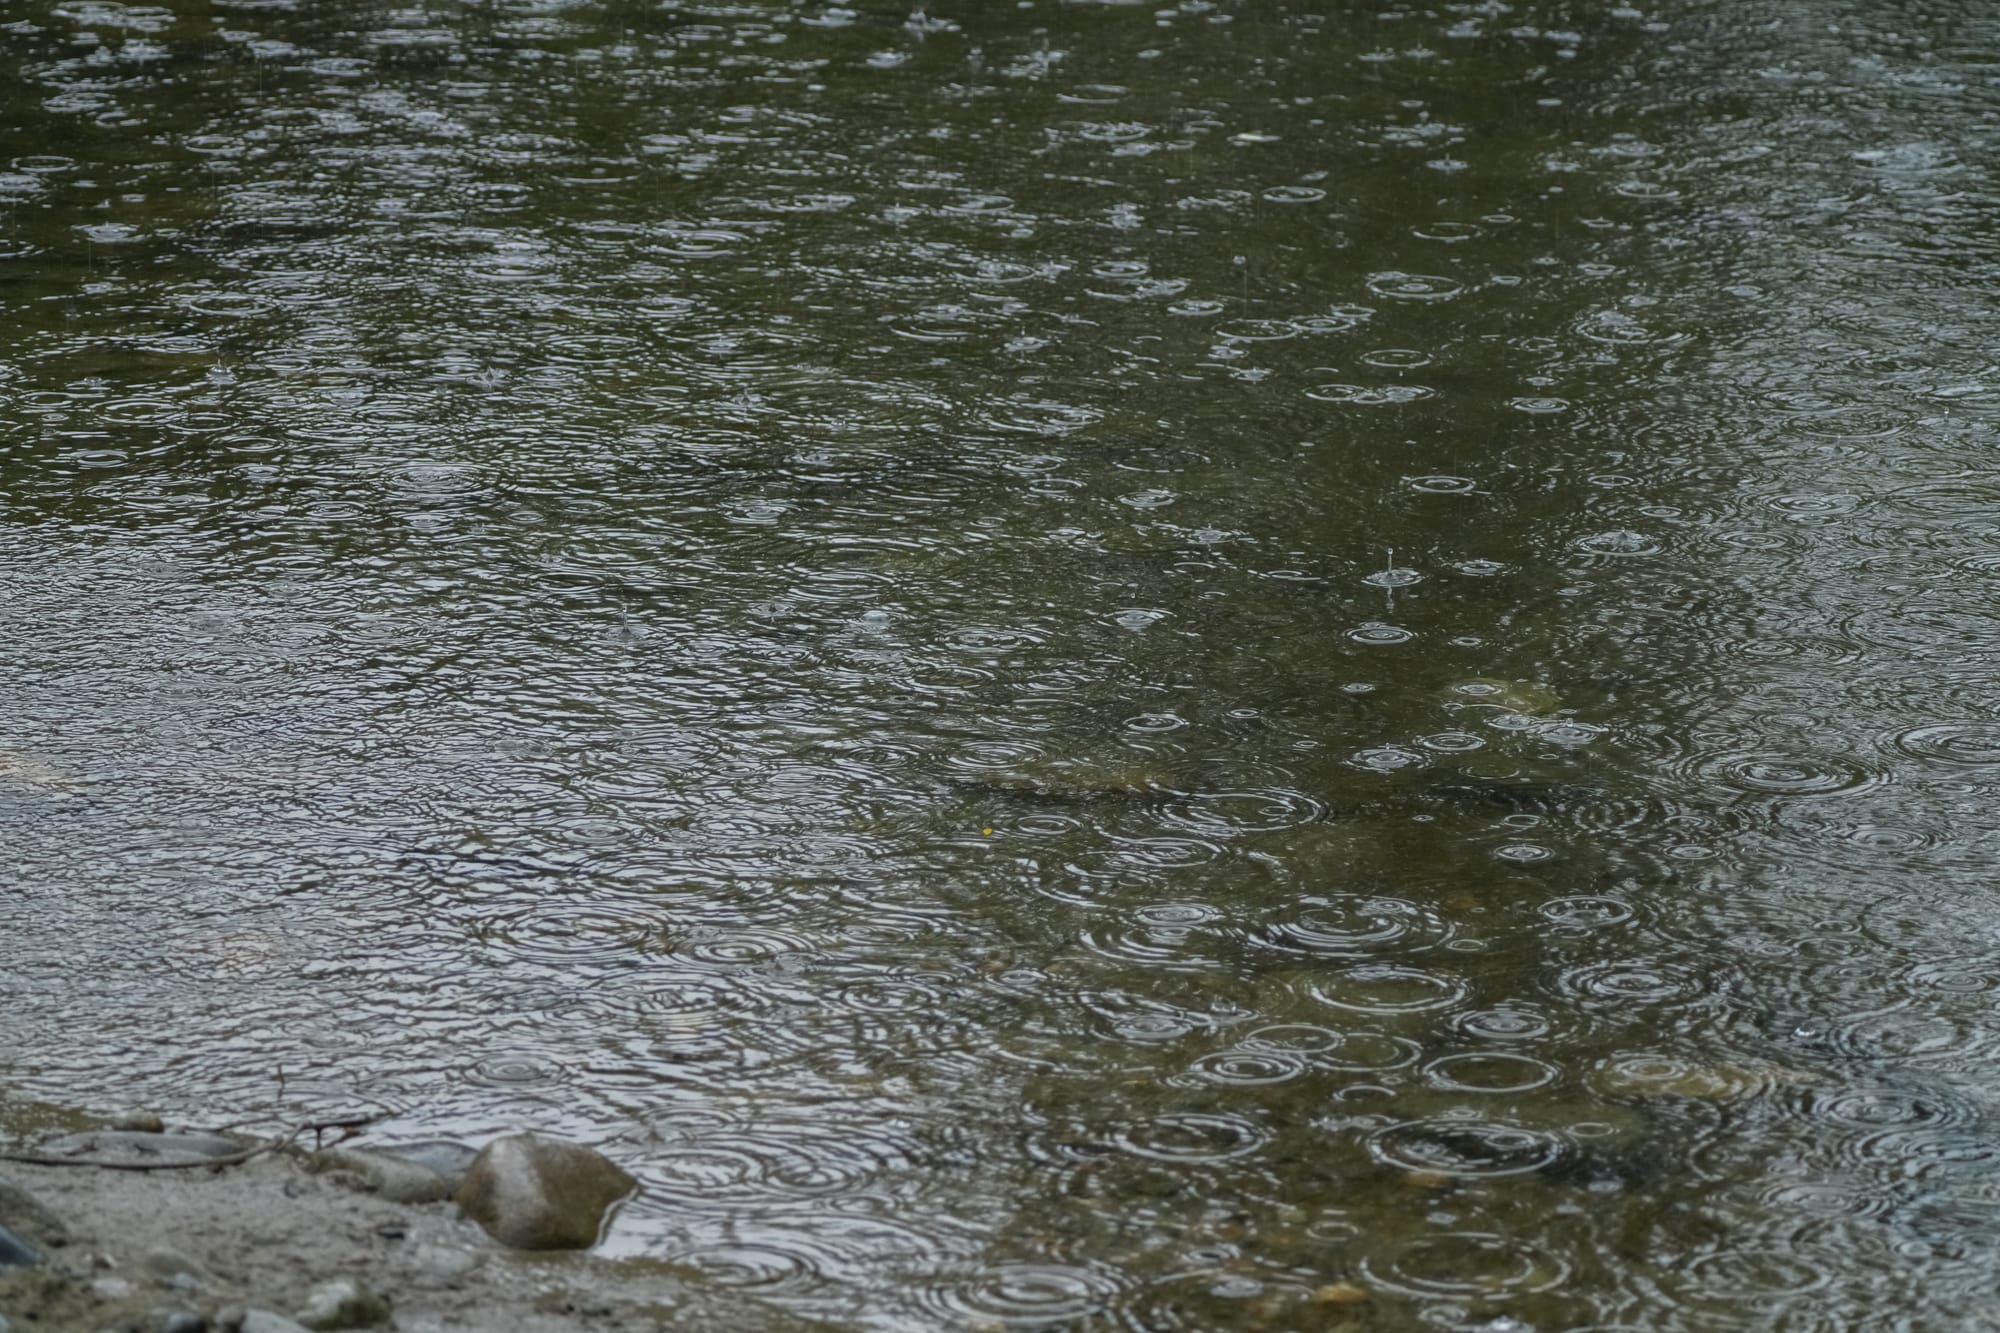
1062,665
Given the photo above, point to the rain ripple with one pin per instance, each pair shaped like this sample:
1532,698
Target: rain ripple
1464,1145
1356,925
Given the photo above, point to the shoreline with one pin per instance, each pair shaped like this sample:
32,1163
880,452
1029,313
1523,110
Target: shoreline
253,1243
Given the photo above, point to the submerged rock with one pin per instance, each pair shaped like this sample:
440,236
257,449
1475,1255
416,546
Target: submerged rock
343,1303
1530,697
446,1157
144,1122
533,1193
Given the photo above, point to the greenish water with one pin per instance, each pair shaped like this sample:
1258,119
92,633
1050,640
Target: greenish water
1064,665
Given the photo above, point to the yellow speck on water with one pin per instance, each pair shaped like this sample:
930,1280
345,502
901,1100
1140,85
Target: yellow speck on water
1340,1293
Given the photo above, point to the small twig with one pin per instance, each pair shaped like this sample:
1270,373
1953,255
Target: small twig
349,1125
349,1121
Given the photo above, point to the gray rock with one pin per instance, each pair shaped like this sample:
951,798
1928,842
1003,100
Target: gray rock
144,1122
445,1261
179,1321
171,1268
393,1178
110,1288
263,1321
533,1193
162,1261
137,1144
342,1303
230,1319
16,1252
444,1156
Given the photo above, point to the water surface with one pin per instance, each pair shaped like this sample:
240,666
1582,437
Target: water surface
1063,666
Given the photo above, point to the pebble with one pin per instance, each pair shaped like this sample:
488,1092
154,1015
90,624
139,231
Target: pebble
144,1122
110,1288
263,1321
535,1193
342,1303
179,1321
444,1261
165,1263
230,1318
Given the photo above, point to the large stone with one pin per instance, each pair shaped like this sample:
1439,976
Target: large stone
343,1303
533,1193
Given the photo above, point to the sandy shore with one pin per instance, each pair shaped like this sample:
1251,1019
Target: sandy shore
262,1234
135,1248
